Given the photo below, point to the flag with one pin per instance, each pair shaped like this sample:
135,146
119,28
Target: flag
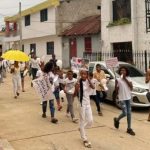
55,2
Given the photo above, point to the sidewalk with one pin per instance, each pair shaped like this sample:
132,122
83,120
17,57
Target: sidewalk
24,128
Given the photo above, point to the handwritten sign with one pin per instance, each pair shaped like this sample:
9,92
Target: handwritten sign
112,63
77,63
43,88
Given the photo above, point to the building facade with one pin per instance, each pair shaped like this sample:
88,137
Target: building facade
38,25
125,27
77,40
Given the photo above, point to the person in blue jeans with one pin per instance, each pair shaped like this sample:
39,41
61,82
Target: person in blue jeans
123,88
47,69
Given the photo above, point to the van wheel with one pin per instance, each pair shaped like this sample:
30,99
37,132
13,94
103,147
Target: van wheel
115,100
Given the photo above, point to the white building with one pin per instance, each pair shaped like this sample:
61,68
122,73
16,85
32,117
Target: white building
125,26
38,31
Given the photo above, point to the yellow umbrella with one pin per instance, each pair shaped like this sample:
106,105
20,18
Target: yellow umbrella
15,55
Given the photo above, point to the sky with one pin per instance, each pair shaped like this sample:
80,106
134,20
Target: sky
11,7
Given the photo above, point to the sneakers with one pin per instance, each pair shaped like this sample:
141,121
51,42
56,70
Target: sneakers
74,120
116,123
100,113
54,120
87,144
17,94
131,132
44,115
67,115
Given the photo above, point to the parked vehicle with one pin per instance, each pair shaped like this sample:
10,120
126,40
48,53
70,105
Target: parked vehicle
140,88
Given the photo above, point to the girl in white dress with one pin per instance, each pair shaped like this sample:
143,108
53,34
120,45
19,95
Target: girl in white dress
16,78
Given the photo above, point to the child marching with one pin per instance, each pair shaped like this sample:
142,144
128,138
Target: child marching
69,89
123,88
86,117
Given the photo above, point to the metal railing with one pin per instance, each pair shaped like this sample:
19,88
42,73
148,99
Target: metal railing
141,59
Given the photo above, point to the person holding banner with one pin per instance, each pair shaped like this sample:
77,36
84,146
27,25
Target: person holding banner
46,89
123,88
100,90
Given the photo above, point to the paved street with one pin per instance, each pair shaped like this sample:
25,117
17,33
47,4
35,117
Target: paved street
23,127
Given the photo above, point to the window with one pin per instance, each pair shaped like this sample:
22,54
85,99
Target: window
88,44
27,20
147,5
121,9
50,48
33,48
43,15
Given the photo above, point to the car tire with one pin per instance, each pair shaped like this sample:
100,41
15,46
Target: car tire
115,100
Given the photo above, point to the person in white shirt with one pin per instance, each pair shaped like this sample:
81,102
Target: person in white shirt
22,66
40,74
56,87
86,117
46,74
34,62
69,89
93,95
123,88
16,78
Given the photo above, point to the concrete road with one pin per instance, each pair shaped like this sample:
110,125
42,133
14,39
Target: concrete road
24,128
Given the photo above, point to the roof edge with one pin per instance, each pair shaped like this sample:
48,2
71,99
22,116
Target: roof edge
31,10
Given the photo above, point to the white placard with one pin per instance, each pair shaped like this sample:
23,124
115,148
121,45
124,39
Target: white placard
112,63
43,88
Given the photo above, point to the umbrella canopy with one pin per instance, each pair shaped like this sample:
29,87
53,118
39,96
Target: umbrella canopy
15,55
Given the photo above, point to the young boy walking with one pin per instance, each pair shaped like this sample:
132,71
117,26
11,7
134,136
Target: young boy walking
69,89
93,95
123,88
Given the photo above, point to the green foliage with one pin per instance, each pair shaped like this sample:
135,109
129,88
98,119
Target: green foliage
121,21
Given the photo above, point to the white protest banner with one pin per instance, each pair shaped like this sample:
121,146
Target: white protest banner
112,63
43,88
77,63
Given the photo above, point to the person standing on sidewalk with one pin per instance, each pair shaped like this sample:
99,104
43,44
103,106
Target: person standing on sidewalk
86,117
123,88
16,78
69,89
147,80
100,92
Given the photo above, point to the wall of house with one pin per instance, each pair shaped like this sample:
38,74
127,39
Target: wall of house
68,13
80,48
40,29
122,33
143,37
41,46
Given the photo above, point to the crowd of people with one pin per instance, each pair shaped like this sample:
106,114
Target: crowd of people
85,86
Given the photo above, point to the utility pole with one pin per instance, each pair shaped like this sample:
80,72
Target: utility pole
20,27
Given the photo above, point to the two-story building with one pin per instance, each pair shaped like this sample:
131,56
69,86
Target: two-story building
125,26
38,27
